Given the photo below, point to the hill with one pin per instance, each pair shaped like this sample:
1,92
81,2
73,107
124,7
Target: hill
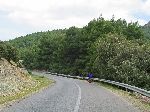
110,49
146,30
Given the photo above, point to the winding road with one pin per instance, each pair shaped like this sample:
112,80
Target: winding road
72,95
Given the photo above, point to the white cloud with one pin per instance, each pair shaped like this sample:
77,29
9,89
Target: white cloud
41,12
146,7
52,14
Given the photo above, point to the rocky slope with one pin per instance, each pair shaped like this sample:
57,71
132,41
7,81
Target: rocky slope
13,79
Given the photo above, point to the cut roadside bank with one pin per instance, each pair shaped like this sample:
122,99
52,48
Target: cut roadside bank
41,83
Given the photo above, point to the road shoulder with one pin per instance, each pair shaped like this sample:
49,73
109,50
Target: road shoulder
135,99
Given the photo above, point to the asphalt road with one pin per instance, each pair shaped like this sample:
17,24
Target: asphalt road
72,95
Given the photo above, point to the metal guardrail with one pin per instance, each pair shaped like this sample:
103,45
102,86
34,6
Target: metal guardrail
129,87
126,86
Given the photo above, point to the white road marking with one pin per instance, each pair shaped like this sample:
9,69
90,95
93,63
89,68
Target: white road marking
78,99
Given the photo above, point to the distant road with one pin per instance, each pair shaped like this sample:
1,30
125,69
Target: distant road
72,95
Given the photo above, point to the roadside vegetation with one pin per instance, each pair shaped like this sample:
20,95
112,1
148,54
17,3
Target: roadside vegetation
111,49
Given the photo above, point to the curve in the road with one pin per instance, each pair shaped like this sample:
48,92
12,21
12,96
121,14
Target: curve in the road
65,96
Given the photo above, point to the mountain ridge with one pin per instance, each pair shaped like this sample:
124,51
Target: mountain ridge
147,24
146,30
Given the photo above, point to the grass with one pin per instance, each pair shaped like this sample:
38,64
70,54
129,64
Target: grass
42,83
131,97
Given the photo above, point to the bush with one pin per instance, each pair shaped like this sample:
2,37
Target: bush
123,60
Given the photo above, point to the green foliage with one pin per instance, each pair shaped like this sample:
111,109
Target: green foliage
123,60
101,27
8,52
74,51
110,49
49,52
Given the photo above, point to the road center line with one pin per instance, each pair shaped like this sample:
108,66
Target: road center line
78,99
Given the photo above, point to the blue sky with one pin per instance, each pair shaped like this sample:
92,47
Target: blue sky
21,17
141,15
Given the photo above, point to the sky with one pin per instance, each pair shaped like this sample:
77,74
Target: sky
21,17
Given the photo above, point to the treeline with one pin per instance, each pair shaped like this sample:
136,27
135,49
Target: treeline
8,52
110,49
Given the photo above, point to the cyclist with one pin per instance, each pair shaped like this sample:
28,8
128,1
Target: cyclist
90,76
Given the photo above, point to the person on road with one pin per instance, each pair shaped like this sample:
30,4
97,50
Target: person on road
90,76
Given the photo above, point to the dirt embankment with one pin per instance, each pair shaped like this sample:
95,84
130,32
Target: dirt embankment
13,79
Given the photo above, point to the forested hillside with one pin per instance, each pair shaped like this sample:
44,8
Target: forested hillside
110,49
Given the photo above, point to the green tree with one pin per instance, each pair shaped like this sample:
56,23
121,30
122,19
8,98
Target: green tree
8,52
